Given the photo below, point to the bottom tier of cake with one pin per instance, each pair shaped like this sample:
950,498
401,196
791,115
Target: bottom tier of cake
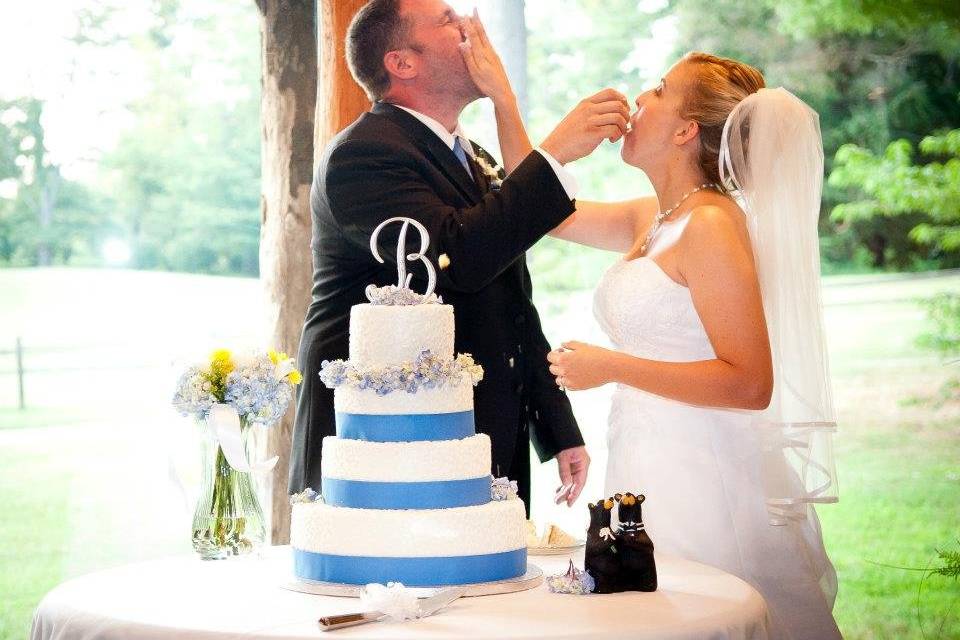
419,548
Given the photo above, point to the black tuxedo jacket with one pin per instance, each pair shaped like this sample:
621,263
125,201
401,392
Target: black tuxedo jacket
387,163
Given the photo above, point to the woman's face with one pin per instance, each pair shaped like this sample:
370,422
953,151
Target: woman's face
656,122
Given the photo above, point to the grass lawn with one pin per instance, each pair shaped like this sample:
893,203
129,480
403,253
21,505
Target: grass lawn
85,475
46,416
34,538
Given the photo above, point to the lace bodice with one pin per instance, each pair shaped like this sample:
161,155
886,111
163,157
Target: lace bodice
647,314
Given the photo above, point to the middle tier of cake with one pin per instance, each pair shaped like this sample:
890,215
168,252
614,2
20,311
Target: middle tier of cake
432,474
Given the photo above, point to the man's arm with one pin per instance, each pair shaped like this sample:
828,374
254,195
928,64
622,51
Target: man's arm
553,426
368,182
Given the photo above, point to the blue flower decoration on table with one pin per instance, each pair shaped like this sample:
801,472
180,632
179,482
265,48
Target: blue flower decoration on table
573,581
426,372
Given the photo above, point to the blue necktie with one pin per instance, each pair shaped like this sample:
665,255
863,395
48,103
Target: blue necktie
461,154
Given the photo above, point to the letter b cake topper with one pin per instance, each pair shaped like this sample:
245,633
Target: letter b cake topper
403,278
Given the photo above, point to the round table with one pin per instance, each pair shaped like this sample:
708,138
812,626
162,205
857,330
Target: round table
184,597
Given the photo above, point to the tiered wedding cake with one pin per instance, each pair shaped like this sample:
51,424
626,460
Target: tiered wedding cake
406,492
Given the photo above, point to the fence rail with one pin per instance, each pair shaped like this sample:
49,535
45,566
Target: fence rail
23,356
20,394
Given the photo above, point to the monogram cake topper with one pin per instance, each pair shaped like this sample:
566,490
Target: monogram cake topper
401,293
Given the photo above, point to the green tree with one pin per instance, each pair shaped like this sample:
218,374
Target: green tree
874,71
185,177
927,194
44,218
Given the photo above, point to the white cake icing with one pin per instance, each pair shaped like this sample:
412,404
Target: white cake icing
406,461
383,335
386,336
494,527
449,398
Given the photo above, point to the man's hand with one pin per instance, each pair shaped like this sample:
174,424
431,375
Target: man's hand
573,464
604,115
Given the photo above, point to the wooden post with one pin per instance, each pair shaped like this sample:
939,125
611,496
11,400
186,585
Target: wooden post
287,108
19,351
295,127
340,98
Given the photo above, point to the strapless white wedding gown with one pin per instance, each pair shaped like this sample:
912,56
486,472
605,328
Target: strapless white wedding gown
698,467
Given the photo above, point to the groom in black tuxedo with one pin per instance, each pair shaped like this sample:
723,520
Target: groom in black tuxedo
406,157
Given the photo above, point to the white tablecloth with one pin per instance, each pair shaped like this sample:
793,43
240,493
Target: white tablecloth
183,597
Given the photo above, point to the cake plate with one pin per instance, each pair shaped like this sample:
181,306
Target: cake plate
531,579
556,550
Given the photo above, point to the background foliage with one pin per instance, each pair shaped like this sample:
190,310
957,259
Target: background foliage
180,187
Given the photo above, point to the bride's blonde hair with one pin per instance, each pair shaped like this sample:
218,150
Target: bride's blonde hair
720,84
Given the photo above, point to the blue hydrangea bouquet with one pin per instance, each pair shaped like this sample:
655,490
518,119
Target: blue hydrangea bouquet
231,395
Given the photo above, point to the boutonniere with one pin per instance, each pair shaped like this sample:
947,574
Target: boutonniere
491,172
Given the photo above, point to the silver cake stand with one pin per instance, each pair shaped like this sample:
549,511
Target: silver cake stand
531,579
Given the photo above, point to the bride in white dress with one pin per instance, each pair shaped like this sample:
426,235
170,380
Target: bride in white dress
722,424
722,413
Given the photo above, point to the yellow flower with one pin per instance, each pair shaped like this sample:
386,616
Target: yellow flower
221,357
295,377
221,364
277,358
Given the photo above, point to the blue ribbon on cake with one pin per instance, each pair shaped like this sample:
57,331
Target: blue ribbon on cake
436,494
406,427
412,572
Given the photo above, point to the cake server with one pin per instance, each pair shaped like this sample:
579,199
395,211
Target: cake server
332,623
429,606
426,606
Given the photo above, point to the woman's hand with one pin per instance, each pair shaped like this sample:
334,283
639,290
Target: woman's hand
488,74
579,366
483,63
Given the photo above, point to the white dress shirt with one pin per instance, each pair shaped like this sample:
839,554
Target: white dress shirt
567,180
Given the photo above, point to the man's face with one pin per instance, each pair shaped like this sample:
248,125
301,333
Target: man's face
435,36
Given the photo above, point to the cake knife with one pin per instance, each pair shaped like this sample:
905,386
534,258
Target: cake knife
426,606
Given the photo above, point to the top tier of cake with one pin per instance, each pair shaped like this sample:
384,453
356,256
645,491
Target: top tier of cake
383,335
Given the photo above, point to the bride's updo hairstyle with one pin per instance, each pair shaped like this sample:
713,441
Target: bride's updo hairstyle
719,85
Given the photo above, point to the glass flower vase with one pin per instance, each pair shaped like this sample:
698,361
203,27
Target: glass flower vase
228,520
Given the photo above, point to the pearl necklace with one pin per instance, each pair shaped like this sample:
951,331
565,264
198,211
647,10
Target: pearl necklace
662,215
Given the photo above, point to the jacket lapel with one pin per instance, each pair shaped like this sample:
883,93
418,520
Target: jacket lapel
482,178
434,148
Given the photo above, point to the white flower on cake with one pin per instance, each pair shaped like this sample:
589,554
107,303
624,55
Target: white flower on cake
426,372
306,496
392,295
503,489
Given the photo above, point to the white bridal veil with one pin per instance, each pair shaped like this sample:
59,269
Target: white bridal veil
771,158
